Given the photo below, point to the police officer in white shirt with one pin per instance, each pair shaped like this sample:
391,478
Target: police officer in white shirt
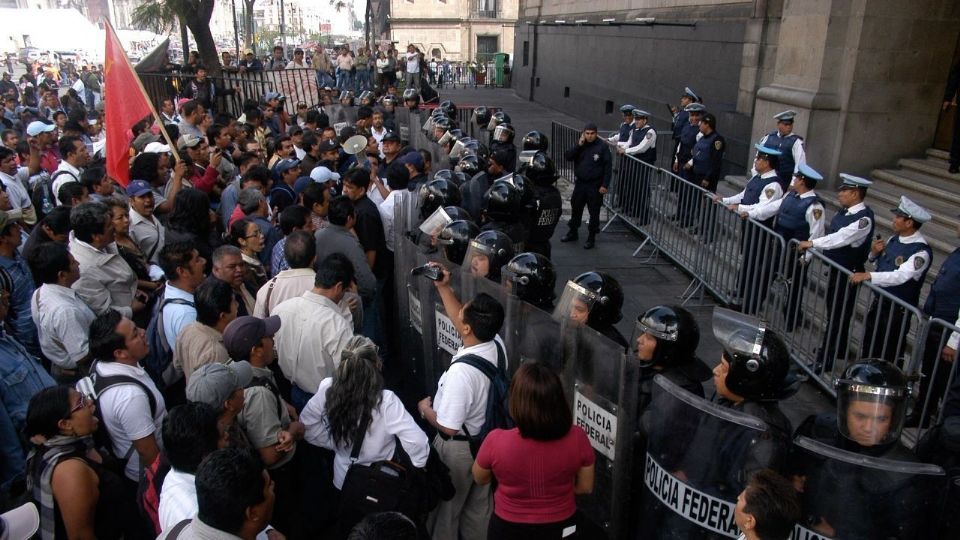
460,403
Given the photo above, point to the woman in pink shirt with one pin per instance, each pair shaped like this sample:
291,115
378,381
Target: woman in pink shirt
540,465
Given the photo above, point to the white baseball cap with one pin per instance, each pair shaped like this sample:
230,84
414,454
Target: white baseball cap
21,523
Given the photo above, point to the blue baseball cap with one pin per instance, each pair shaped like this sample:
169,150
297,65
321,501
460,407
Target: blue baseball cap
138,188
808,172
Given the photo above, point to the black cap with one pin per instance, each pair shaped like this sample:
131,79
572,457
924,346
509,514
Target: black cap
391,136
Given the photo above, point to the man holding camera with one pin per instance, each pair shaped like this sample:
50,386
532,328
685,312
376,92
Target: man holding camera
592,168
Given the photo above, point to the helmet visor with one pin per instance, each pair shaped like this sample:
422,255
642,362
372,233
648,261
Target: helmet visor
526,157
575,304
870,415
738,333
502,133
447,138
483,261
435,222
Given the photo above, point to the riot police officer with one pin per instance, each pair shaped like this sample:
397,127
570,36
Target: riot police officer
481,117
790,145
594,299
902,265
754,374
502,211
502,141
531,277
542,172
455,238
487,253
841,498
436,193
480,180
534,141
847,243
665,341
622,135
411,99
496,119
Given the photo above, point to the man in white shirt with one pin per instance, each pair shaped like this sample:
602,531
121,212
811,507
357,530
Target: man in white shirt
131,415
75,157
63,320
15,180
459,407
298,61
413,67
145,228
313,330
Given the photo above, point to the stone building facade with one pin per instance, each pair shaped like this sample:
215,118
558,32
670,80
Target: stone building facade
456,30
866,76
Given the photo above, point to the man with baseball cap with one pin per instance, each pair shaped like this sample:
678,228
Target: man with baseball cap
902,264
145,228
222,386
45,133
270,422
282,194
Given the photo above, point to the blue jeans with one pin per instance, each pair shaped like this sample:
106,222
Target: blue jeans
324,79
344,80
363,80
298,397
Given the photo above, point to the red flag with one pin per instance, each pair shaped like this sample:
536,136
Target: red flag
126,104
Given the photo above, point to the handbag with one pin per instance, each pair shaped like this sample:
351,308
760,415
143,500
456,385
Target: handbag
382,486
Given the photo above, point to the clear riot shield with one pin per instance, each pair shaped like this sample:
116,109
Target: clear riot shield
858,497
407,288
601,384
441,339
401,116
342,114
531,335
698,458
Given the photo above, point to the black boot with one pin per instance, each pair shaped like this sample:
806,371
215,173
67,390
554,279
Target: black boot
590,243
570,236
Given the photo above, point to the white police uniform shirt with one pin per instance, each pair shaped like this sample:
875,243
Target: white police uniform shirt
649,141
461,398
817,225
771,192
797,151
906,271
853,235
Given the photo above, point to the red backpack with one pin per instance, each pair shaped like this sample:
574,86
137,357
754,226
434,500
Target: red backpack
148,490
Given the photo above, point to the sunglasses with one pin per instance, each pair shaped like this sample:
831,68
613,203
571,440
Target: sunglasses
82,403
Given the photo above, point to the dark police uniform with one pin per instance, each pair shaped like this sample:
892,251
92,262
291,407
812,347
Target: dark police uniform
901,269
687,140
511,151
623,133
681,119
796,216
708,160
471,193
787,161
847,243
592,169
549,209
943,302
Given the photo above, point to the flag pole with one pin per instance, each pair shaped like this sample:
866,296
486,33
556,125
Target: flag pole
143,91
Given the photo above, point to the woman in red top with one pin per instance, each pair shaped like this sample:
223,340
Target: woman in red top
540,465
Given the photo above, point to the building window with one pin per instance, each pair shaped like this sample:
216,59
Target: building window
608,107
566,91
526,52
486,9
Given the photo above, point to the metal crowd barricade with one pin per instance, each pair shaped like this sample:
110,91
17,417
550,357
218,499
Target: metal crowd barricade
934,386
562,138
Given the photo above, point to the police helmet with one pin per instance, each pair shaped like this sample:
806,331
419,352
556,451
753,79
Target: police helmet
451,136
437,193
455,238
457,213
503,133
469,165
411,94
677,334
532,278
758,357
456,177
872,397
448,108
540,170
367,98
346,95
487,254
496,119
442,122
481,116
607,295
535,140
390,99
502,202
528,195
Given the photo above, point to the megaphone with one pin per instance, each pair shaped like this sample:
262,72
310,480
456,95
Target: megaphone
354,145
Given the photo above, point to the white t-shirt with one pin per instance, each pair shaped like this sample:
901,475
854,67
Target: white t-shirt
126,412
413,62
178,501
462,391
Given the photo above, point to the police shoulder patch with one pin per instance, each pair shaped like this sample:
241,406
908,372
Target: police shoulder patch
718,144
918,263
898,261
650,134
817,213
769,192
863,223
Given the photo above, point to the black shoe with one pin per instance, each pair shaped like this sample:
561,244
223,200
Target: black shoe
954,169
570,236
590,243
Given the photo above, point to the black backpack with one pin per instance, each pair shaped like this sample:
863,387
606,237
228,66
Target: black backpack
498,398
101,437
42,196
160,360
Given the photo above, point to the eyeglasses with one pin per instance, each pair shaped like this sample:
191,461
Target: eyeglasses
254,235
82,403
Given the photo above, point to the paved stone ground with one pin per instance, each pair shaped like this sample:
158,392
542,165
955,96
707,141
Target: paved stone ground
645,285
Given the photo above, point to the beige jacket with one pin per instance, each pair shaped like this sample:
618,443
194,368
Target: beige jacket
106,280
